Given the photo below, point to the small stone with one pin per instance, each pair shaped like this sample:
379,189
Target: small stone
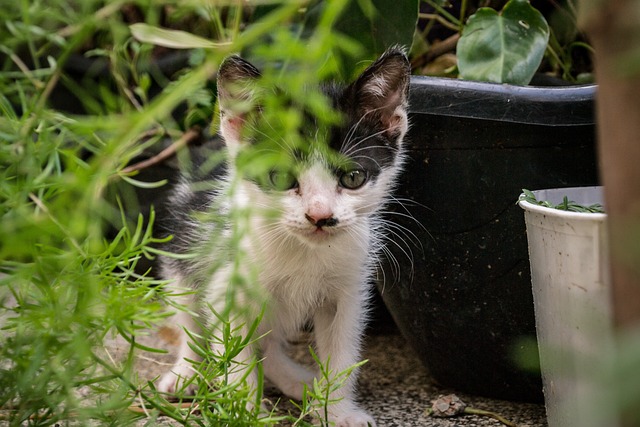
447,406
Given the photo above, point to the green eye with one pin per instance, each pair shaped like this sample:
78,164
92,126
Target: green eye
282,180
353,179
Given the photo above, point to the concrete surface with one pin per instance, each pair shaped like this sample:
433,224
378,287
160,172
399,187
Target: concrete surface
394,387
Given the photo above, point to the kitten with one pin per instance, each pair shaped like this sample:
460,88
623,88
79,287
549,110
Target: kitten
316,257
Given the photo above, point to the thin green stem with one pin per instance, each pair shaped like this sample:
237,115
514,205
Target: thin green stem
435,17
503,420
169,410
455,21
463,13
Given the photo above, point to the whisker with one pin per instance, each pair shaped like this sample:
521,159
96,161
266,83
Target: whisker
347,151
403,232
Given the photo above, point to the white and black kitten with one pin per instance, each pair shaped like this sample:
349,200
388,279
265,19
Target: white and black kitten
315,258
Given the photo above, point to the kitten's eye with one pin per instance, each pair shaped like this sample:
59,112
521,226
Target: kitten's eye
282,180
353,179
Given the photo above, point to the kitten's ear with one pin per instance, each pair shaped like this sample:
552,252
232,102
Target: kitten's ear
237,95
382,91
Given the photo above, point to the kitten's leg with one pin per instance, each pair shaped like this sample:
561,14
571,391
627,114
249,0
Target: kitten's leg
338,329
289,376
172,380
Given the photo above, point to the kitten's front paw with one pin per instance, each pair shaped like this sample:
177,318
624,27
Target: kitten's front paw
293,382
355,419
174,382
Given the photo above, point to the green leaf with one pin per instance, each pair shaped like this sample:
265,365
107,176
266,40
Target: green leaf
173,39
505,47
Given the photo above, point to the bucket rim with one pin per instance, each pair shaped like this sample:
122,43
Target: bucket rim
543,210
585,216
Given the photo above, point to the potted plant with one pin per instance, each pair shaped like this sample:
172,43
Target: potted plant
468,286
462,290
568,251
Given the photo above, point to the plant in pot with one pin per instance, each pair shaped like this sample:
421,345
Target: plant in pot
463,297
569,256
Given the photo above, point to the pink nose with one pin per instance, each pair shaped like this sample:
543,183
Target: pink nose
319,212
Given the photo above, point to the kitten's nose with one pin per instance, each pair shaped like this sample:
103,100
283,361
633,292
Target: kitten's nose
323,221
319,211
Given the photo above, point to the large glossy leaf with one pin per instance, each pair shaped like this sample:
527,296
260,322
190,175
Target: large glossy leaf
505,47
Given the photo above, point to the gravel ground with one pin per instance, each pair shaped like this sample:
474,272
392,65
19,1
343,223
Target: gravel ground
394,387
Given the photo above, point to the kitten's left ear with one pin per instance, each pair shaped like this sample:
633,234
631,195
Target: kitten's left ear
382,91
237,94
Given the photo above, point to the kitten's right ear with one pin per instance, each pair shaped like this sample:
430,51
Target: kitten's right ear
382,90
237,95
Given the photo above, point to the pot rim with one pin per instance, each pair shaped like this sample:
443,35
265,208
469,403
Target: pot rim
578,216
540,105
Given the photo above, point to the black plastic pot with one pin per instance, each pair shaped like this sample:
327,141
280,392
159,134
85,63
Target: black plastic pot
464,301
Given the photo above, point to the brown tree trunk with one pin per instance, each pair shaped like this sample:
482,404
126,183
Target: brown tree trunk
613,27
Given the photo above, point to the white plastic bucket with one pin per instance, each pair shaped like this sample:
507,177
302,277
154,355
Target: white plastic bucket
570,278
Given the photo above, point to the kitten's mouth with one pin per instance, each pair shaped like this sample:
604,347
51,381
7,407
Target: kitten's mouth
322,228
320,231
319,234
